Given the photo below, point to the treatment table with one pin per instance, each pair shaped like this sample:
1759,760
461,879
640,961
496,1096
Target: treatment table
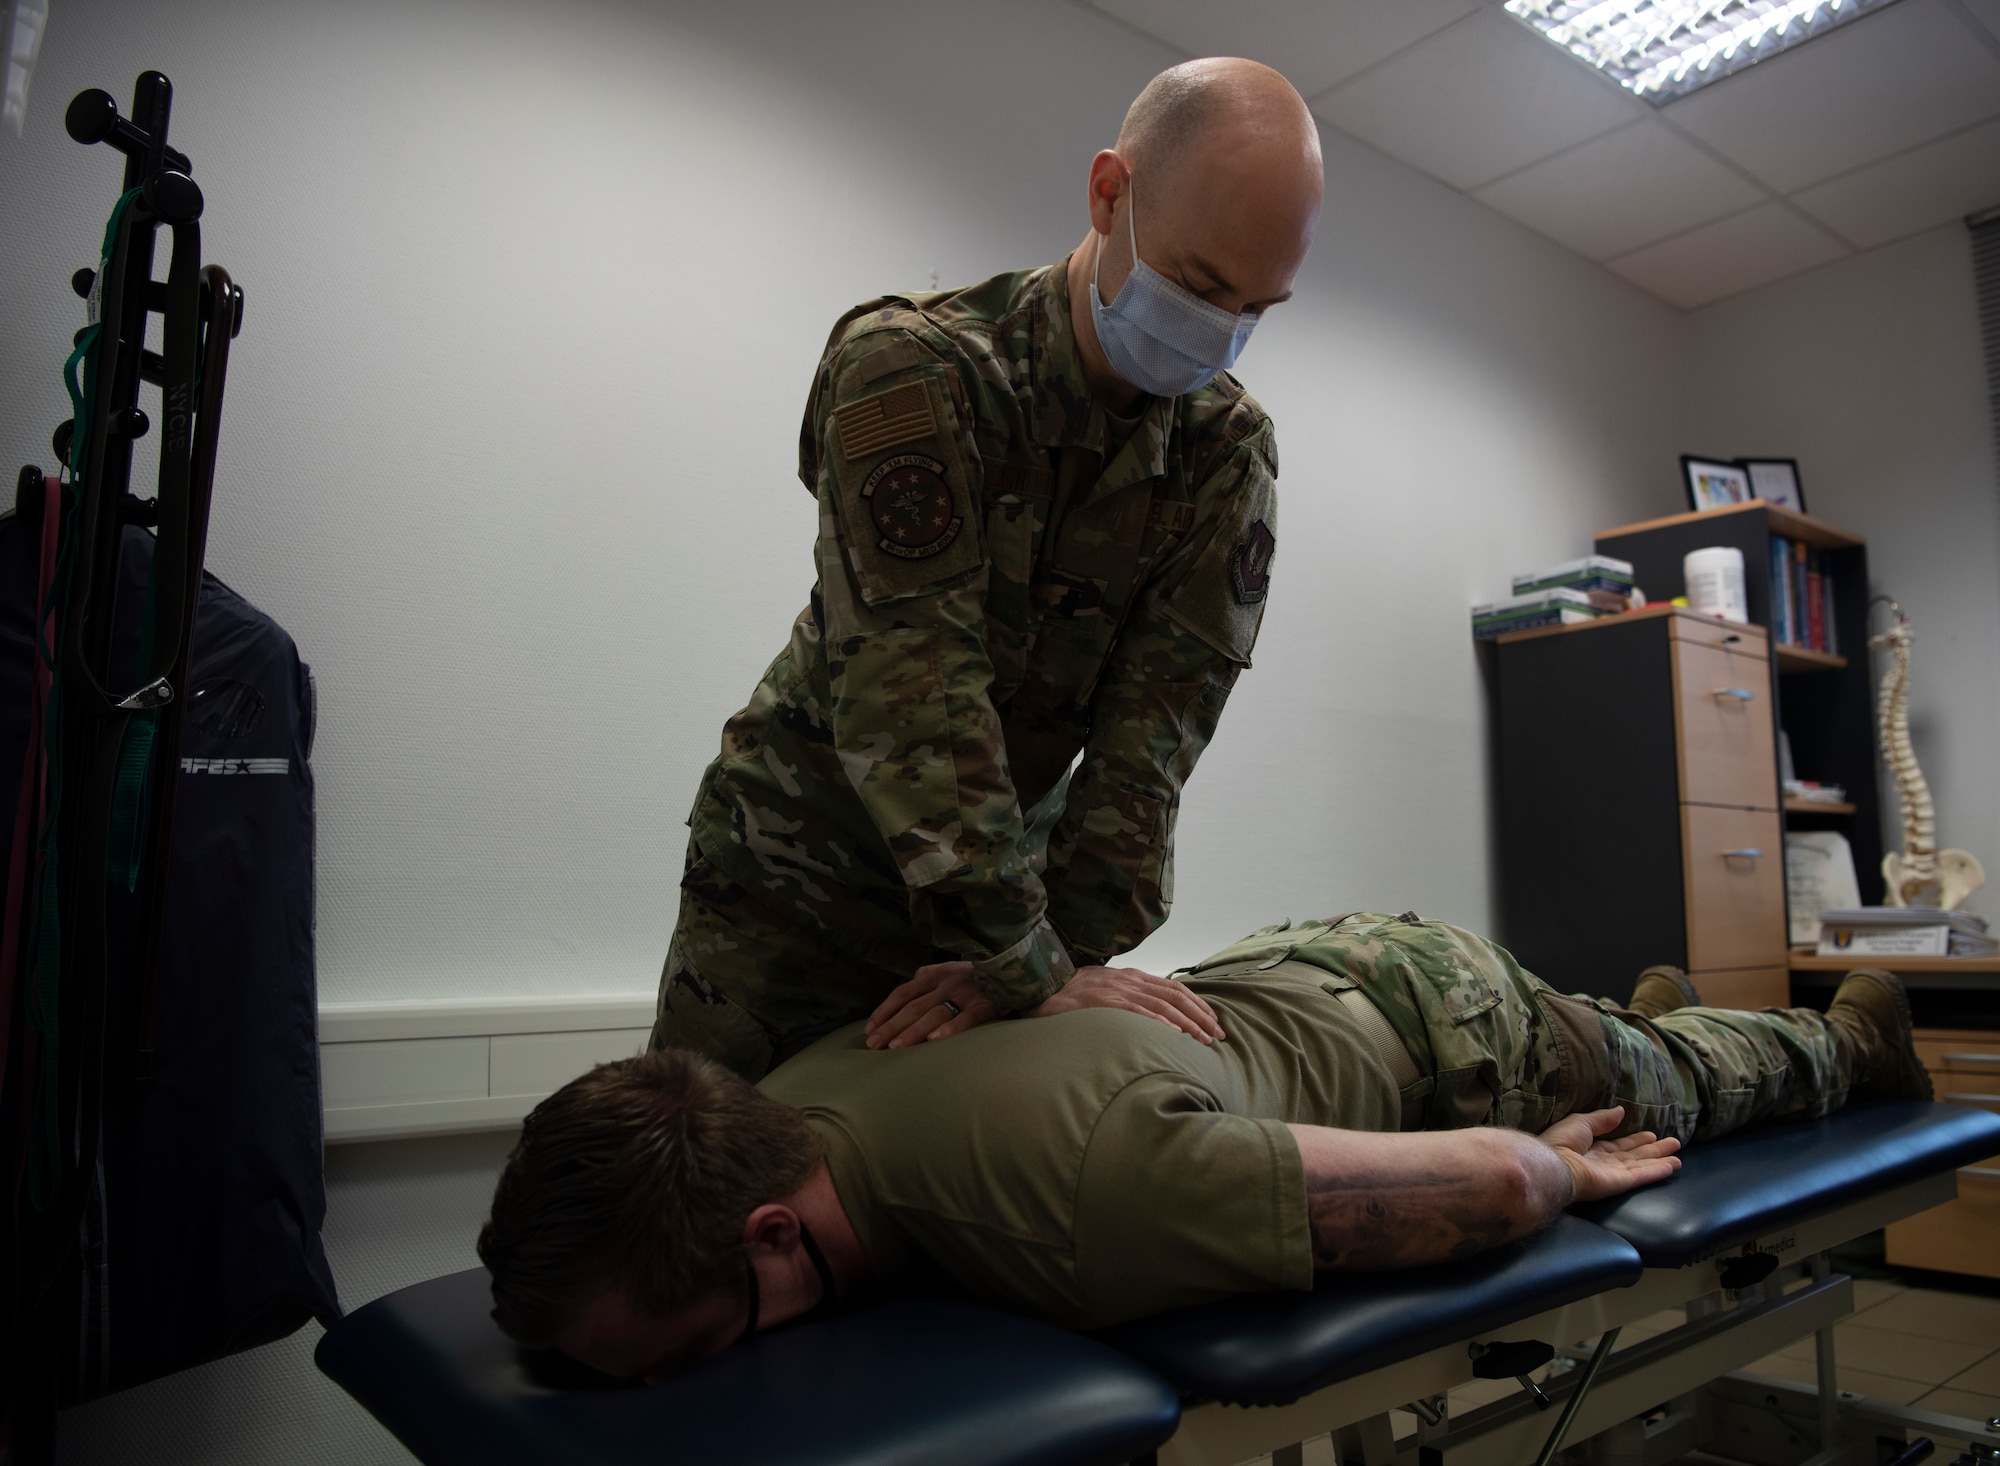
1736,1242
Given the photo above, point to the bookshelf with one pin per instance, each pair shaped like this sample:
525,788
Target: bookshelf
1823,701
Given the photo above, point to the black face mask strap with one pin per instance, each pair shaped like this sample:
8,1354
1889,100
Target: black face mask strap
829,1293
750,1288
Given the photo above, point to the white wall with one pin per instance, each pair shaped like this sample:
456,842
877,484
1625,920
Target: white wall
1869,373
534,298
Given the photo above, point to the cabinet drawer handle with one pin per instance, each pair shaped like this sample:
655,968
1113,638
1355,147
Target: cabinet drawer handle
1743,852
1741,694
1970,1058
1979,1171
1962,1097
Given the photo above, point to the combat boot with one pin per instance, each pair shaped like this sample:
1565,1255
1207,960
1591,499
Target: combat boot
1872,1011
1661,990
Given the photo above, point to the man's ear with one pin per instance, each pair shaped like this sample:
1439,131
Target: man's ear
1109,178
772,1226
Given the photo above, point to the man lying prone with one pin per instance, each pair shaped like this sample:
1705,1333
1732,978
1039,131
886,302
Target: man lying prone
1391,1092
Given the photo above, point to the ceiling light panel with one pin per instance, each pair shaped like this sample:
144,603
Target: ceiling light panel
1663,49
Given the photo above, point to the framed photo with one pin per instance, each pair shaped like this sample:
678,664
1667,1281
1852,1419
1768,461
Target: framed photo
1715,483
1776,480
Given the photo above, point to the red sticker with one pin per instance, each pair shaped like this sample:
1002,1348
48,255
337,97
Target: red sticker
910,503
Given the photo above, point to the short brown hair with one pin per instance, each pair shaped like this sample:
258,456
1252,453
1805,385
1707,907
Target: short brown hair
636,1176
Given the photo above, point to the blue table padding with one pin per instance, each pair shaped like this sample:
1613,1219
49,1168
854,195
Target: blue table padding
1757,1182
913,1381
1274,1348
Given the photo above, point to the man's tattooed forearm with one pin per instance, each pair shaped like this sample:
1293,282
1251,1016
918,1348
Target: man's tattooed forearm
1364,1223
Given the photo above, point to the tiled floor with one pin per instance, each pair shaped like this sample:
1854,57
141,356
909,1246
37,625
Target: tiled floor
1911,1345
1903,1344
1906,1344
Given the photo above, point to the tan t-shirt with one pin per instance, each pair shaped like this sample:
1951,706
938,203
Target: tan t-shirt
1095,1166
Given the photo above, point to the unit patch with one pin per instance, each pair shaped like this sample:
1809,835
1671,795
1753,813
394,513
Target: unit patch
870,424
910,504
1250,566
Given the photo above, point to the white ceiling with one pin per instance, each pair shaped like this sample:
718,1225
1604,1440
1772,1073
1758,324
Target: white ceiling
1882,128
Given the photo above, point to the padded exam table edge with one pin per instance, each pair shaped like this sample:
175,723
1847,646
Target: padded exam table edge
1736,1240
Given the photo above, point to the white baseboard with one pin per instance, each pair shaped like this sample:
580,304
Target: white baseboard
439,1067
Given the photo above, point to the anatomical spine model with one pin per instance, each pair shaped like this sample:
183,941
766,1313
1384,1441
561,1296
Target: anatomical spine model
1920,867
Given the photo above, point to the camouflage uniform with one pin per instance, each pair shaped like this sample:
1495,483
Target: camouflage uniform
1020,640
1491,1044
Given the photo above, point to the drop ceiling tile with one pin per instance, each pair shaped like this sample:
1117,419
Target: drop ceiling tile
1739,253
1313,43
1620,191
1889,81
1988,13
1913,191
1477,100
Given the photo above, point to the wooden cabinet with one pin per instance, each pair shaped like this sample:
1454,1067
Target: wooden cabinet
1962,1236
1723,716
1735,890
1640,819
1824,701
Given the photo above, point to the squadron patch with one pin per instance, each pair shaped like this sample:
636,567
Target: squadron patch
1250,566
910,504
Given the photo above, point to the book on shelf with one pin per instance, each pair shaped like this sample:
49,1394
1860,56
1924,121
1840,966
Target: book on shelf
1591,573
1901,941
1802,597
1894,916
1559,606
1903,931
1802,610
1781,596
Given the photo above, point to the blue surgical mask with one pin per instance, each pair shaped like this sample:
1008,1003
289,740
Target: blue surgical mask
1159,336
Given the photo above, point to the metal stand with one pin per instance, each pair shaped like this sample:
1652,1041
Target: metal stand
114,741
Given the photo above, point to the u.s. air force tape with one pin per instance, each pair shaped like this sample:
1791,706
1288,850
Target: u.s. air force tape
910,504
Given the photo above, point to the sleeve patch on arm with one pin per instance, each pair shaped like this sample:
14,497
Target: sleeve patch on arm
899,415
1220,598
1250,565
911,507
906,509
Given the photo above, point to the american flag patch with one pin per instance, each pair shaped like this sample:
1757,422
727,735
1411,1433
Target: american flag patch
874,423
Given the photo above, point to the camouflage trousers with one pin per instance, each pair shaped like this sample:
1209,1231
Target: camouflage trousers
749,982
1494,1045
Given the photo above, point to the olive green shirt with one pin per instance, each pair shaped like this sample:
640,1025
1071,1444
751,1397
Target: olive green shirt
1096,1166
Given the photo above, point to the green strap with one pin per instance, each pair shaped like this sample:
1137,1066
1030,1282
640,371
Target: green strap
128,821
46,1152
135,757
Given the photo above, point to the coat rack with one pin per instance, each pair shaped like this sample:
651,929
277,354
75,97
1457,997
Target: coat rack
109,735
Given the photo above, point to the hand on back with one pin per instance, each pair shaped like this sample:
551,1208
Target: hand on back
922,1008
942,999
1601,1168
1173,1003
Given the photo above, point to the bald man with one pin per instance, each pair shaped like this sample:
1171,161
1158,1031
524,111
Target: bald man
1046,526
